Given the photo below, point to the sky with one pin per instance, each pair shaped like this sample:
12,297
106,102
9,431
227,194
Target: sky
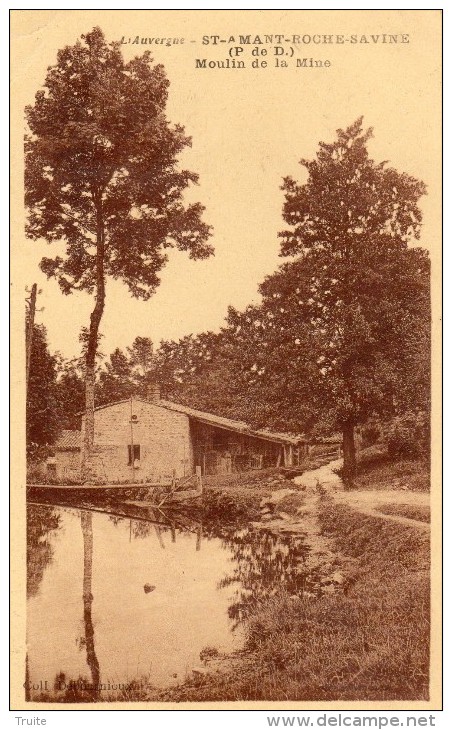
249,128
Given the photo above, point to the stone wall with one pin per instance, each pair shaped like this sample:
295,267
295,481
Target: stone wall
67,465
162,435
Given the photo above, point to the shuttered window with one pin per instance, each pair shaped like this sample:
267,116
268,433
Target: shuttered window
136,454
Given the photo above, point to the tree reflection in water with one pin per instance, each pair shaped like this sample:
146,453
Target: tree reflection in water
263,564
41,520
260,564
83,689
93,663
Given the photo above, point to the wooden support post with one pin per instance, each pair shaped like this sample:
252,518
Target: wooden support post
158,532
198,538
199,479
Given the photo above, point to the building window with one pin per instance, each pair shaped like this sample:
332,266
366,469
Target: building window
134,455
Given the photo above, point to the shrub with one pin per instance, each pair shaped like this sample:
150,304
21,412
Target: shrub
217,505
409,436
371,458
370,432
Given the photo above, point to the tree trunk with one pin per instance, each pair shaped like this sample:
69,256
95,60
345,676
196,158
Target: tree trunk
348,441
88,442
91,351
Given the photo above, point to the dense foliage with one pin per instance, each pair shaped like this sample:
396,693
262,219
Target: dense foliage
43,410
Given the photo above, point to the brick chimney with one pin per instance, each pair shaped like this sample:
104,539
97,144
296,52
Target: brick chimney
153,392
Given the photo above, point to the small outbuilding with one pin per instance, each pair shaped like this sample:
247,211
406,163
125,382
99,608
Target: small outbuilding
156,441
64,465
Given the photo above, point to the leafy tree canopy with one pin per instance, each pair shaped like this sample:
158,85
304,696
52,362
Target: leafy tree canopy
102,175
101,160
344,325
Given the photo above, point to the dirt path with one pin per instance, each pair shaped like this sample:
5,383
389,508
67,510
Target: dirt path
365,501
325,476
369,502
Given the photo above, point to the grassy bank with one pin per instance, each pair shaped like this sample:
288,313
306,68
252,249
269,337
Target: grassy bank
369,639
411,511
377,471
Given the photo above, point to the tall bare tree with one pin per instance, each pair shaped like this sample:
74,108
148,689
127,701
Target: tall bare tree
102,176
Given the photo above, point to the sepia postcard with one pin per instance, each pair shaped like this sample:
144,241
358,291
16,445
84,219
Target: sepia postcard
226,329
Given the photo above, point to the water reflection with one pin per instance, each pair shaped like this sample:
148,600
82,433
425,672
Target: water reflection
86,519
141,596
42,520
91,621
263,563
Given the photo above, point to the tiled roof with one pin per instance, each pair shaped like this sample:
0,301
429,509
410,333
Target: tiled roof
67,441
202,415
228,423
